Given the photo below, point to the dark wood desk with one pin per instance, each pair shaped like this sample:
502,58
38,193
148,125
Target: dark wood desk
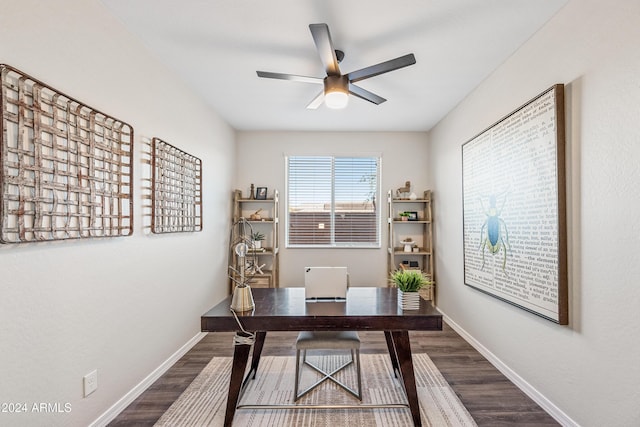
285,309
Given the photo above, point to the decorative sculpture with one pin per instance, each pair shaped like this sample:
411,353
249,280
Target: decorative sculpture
256,215
66,169
176,199
400,192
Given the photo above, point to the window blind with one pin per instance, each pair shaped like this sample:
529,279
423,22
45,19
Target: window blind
332,201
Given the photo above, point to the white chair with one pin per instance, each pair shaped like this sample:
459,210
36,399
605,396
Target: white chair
327,340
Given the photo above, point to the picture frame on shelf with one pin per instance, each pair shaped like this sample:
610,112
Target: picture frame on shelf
409,265
261,193
413,216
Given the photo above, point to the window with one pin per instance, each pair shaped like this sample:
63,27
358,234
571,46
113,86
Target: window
332,201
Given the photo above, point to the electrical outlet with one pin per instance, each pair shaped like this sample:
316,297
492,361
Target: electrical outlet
90,382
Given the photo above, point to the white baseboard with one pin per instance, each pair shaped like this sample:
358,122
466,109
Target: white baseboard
527,388
111,413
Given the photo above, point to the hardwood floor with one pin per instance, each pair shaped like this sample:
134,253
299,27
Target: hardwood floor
488,395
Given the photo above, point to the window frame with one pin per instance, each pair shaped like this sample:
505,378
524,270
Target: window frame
333,244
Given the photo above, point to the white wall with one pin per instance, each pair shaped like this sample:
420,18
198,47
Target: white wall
261,161
119,305
587,372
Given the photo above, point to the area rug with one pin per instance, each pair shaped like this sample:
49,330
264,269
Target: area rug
203,403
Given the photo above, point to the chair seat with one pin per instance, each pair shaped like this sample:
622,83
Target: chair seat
336,340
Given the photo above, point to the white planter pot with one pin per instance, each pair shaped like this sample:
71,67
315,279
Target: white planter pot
408,300
257,244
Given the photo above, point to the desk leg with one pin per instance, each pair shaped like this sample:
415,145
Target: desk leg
403,351
257,351
392,352
240,358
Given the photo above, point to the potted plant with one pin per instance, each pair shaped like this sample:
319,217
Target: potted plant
409,283
257,238
404,216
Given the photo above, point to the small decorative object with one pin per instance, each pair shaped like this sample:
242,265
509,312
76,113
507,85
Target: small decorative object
256,239
409,265
412,216
416,249
404,216
401,192
242,264
413,196
256,215
261,193
251,192
257,269
409,283
408,244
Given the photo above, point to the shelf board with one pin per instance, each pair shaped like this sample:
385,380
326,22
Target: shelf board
400,251
267,251
265,273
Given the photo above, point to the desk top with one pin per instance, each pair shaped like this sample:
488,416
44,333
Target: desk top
285,309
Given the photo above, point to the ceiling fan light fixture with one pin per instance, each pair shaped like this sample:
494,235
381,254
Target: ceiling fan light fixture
336,99
336,91
337,86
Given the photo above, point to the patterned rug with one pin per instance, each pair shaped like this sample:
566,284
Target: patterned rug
203,403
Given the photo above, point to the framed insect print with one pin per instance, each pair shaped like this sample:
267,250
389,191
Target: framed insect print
514,208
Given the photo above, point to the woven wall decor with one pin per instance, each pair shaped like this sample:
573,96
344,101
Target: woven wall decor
66,167
177,189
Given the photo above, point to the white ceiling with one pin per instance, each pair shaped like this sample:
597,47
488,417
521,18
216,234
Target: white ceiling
217,46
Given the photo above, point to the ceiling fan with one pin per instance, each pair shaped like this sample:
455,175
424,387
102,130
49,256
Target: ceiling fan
338,86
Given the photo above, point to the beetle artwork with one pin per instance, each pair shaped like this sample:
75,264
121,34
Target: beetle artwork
494,234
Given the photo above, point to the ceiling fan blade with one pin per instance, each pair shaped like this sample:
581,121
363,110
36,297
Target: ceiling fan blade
365,94
383,67
317,101
324,45
291,77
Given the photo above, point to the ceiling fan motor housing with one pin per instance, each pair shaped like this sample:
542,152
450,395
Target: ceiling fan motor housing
336,84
